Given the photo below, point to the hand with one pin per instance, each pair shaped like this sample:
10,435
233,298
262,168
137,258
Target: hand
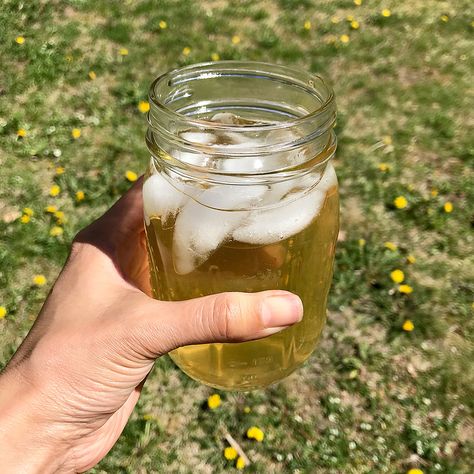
69,390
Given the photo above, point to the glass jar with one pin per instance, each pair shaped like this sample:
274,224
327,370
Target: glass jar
241,195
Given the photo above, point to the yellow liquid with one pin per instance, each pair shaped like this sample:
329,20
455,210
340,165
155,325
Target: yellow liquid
302,264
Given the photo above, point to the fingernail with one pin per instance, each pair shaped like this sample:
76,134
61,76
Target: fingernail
281,310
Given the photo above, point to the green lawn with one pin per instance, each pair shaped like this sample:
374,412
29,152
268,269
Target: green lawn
374,397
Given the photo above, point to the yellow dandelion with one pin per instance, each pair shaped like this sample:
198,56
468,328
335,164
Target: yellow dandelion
390,245
214,401
76,133
411,259
186,51
335,19
362,242
400,202
163,25
148,417
247,410
56,231
51,209
131,176
358,2
60,170
386,12
235,39
307,25
240,464
215,57
444,18
230,453
28,211
408,326
397,276
143,106
434,192
24,219
80,195
61,218
355,25
350,18
21,133
3,312
405,289
39,280
123,52
387,140
255,433
383,167
448,207
54,190
20,39
344,39
92,75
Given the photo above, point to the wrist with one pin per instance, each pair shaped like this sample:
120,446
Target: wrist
28,441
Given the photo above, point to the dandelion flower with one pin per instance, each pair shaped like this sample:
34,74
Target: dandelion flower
131,176
349,18
60,217
344,39
444,18
54,190
307,25
24,219
215,57
123,52
400,202
411,259
92,75
143,106
408,326
28,211
405,289
240,464
247,410
76,133
163,25
355,25
56,231
335,19
148,416
235,39
434,192
214,401
448,207
21,133
387,140
362,242
230,453
39,280
186,51
390,245
358,2
255,433
51,209
397,276
383,167
20,39
386,12
3,312
80,195
60,170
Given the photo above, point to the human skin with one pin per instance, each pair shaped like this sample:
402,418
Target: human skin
70,388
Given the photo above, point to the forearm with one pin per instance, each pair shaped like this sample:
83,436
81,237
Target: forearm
27,443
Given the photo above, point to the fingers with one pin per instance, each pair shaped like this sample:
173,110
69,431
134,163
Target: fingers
225,317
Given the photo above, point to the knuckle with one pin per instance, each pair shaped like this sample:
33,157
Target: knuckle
226,315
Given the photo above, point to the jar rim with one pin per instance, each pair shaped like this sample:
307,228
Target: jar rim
269,69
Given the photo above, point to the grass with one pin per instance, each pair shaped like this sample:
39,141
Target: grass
373,397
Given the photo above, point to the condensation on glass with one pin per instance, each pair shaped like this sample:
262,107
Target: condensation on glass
241,195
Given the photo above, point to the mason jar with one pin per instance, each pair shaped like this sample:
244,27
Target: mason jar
241,195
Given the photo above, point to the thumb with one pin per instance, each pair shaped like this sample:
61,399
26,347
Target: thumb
224,317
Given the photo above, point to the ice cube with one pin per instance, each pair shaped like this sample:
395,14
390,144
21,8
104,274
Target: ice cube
201,138
160,198
264,227
202,226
